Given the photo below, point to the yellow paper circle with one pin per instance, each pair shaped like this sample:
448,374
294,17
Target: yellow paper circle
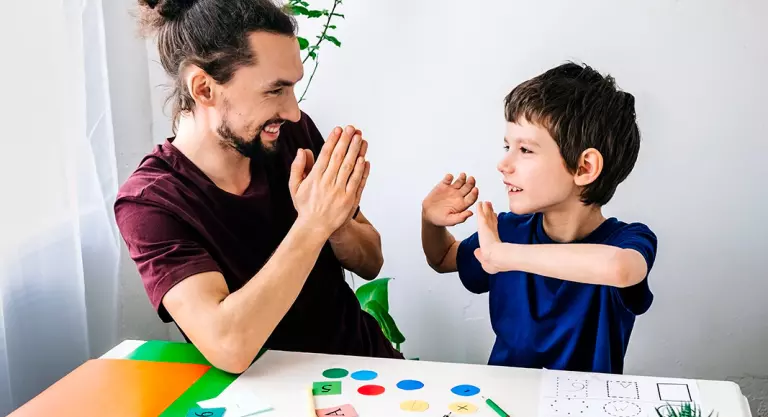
463,408
414,405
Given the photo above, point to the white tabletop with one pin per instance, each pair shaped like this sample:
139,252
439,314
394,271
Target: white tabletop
282,378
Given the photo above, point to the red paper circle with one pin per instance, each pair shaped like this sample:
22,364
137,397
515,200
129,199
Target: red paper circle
371,390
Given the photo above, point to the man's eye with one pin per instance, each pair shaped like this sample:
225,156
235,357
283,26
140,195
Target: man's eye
275,92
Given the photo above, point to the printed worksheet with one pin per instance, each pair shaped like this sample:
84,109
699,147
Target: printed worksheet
604,395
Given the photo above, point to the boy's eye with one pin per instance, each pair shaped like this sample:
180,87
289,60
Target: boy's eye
525,150
506,148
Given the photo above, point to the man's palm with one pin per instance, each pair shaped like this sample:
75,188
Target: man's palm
447,203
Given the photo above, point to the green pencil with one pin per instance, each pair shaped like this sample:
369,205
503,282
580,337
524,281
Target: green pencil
495,407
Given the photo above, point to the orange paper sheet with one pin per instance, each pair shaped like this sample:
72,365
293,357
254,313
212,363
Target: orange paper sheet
115,388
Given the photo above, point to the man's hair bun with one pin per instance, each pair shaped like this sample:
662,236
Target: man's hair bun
159,12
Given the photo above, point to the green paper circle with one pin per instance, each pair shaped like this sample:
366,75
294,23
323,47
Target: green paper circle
335,373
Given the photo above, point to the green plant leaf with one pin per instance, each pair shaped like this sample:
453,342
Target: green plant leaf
374,299
339,15
331,26
388,326
314,13
303,43
376,290
298,10
313,54
333,40
303,3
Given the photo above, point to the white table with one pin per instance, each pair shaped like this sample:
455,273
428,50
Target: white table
281,379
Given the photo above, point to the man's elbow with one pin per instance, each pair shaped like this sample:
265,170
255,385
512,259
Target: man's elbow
231,356
437,266
374,268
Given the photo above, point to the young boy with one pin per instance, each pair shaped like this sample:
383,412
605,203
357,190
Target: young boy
564,282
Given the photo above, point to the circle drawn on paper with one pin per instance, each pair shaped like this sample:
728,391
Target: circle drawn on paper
465,390
463,408
410,385
414,405
335,373
622,409
364,375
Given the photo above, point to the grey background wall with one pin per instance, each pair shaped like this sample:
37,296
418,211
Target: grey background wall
428,97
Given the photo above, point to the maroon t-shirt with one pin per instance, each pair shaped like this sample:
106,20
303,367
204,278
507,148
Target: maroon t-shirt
176,223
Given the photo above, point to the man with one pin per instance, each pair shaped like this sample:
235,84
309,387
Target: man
241,223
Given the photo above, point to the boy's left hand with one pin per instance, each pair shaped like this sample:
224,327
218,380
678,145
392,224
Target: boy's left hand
488,233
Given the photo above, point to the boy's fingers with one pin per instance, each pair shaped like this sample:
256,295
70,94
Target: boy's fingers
471,197
460,181
447,179
468,186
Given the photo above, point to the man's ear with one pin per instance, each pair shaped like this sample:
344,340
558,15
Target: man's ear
589,168
200,85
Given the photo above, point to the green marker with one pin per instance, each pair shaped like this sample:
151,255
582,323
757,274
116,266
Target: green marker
495,407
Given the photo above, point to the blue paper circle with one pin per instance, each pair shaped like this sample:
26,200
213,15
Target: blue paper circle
410,385
364,375
465,390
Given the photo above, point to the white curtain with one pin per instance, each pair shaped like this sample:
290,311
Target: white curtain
59,247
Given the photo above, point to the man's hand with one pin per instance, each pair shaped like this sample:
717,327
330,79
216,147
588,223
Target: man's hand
447,203
325,193
488,234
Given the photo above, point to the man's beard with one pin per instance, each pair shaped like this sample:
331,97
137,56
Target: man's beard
254,148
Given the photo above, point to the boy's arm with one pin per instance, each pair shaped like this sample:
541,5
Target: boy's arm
440,247
585,263
446,205
619,266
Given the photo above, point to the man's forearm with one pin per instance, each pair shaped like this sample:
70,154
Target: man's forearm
437,243
250,314
585,263
358,247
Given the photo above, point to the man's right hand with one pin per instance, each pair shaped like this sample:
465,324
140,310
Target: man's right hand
326,195
447,203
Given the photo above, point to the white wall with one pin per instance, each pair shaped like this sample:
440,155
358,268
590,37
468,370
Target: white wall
425,82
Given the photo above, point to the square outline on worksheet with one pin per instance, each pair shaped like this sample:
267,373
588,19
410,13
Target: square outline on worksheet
687,391
608,389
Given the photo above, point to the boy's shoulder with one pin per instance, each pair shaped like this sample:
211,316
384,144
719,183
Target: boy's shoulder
616,231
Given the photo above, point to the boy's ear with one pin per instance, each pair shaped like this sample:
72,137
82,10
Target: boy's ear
589,168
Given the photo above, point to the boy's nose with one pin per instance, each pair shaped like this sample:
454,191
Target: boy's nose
505,165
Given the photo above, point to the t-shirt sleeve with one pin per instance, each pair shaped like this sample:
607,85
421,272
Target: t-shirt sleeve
164,249
471,272
637,298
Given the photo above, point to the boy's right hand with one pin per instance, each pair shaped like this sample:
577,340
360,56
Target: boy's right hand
447,203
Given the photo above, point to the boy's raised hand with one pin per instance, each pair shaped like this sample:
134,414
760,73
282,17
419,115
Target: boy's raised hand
447,204
488,234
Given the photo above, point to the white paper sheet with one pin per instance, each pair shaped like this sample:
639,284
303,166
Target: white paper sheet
603,395
239,403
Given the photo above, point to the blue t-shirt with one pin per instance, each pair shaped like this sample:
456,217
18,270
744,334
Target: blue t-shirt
542,322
